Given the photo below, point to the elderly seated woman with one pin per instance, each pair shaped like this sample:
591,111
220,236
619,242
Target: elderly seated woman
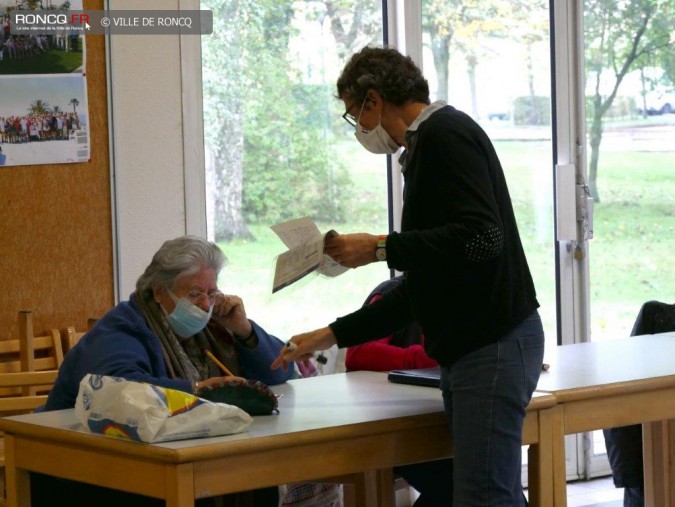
161,336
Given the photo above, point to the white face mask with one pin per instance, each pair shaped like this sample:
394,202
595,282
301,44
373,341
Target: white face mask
377,140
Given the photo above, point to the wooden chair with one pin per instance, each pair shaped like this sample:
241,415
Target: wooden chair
69,336
38,353
21,404
10,405
29,353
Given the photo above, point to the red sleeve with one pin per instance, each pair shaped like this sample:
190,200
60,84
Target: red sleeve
381,356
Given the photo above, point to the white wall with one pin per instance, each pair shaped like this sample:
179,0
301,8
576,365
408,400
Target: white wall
147,151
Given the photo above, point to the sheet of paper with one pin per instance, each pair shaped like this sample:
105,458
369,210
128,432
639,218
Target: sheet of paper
329,267
305,254
297,232
297,262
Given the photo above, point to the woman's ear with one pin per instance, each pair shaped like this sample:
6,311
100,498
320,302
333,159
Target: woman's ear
157,292
373,98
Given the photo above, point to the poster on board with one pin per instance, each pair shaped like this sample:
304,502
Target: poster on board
43,93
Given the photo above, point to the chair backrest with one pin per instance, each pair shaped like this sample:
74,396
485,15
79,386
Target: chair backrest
19,404
29,353
38,353
10,353
70,336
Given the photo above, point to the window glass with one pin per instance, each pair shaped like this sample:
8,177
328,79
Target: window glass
630,101
492,60
277,149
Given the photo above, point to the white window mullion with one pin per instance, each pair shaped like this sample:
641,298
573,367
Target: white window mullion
573,265
193,129
570,140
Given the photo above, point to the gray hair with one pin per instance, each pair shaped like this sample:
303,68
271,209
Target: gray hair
178,258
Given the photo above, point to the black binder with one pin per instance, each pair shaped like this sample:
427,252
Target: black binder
429,377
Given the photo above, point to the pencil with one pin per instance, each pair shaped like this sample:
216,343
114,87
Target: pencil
218,363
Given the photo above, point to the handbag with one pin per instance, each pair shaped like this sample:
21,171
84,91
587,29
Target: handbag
252,396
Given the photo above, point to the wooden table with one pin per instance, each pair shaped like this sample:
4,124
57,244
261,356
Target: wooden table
615,383
355,423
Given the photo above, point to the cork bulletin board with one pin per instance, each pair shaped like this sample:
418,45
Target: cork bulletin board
56,226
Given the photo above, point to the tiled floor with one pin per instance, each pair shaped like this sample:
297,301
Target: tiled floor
594,493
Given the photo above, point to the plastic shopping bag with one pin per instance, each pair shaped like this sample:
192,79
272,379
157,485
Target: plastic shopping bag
137,411
312,494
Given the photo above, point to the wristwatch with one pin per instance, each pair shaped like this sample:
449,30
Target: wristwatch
381,248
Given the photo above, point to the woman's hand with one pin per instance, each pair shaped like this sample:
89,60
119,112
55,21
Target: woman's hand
302,346
351,250
229,312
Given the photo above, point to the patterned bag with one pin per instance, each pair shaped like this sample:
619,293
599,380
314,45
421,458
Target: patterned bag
312,494
147,413
252,396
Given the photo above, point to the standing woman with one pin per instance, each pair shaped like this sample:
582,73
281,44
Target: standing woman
467,281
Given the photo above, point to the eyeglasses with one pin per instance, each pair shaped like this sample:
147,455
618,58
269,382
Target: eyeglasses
350,118
196,296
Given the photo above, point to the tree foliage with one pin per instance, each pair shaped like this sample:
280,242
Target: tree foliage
464,27
223,87
270,124
528,24
354,24
272,157
620,35
461,25
39,107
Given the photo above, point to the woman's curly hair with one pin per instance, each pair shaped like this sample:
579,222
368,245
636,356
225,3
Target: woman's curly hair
394,76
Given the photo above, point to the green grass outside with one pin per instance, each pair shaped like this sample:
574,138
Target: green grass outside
630,257
632,254
50,62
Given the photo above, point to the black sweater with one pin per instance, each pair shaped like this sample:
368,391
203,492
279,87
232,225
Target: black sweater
466,277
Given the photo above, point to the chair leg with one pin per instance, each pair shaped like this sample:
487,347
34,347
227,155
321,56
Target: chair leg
348,495
3,489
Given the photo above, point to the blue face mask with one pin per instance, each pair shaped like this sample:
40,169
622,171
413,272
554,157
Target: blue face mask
187,319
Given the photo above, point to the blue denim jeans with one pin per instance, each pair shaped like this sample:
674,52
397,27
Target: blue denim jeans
485,394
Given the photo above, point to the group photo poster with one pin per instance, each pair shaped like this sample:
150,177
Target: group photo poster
43,92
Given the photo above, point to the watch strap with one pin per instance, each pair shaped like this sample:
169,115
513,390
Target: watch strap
381,248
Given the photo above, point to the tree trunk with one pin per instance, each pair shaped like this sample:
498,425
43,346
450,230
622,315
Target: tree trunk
534,110
229,221
440,48
223,126
472,63
595,140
